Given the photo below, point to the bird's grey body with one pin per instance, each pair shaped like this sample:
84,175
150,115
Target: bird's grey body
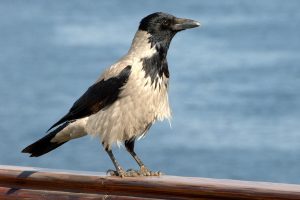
139,105
127,98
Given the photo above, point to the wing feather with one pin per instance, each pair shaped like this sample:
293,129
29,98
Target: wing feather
98,96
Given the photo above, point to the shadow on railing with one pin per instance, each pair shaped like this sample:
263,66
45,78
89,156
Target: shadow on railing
36,183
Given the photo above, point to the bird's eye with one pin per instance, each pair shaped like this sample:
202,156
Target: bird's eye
165,23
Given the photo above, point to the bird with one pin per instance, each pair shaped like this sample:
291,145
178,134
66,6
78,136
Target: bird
126,100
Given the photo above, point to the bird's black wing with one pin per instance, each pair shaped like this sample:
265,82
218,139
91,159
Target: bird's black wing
98,96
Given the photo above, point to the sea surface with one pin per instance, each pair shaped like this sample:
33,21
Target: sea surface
234,87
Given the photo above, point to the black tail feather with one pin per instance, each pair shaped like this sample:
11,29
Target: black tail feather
62,120
44,145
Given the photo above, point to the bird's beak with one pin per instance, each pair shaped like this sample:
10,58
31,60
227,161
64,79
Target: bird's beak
182,24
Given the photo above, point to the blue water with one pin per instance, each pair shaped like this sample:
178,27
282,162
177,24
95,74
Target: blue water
234,88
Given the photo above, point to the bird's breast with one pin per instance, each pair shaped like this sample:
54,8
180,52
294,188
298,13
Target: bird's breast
149,93
141,101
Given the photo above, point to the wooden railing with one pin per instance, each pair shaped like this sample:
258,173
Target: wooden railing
36,183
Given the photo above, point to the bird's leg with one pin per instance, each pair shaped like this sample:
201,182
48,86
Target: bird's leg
119,170
144,171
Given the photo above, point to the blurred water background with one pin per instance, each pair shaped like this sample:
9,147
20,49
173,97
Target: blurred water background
234,85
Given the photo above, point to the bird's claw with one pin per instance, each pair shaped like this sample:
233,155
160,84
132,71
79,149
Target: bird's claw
132,173
144,171
121,173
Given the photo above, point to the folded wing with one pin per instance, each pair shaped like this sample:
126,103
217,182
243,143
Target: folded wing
98,96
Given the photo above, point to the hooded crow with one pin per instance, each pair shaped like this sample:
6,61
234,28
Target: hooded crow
127,99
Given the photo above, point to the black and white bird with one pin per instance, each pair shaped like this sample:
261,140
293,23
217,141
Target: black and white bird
127,99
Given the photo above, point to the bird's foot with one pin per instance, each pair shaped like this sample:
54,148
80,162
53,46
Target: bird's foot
121,173
144,171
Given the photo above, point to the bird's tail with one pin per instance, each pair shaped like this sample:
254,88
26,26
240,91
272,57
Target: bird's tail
44,145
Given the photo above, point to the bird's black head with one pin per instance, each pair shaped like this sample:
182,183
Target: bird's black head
165,26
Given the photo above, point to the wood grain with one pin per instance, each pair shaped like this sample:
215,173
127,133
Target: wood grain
36,182
17,194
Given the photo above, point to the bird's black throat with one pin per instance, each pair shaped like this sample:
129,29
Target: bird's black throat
156,65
